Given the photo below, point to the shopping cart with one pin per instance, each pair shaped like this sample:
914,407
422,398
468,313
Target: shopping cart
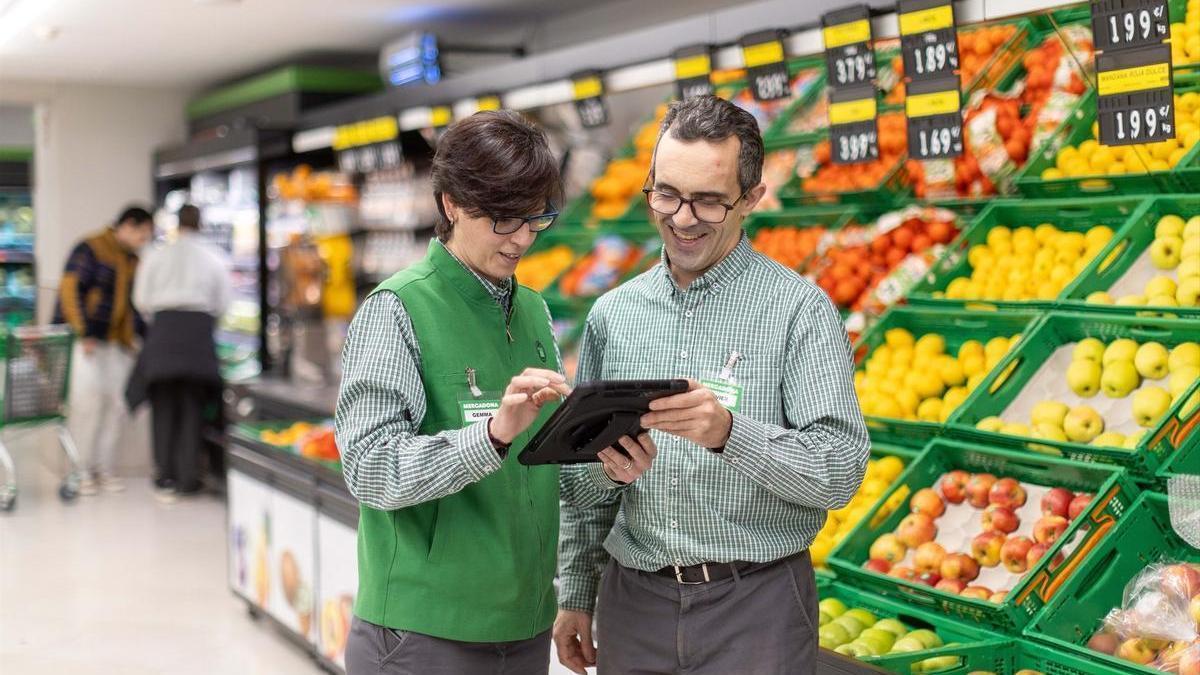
37,368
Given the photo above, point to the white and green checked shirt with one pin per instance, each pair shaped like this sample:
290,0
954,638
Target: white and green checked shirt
381,405
798,446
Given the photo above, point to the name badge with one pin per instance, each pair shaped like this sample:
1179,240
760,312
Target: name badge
727,393
477,410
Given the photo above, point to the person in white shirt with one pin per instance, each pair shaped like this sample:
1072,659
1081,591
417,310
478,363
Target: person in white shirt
182,289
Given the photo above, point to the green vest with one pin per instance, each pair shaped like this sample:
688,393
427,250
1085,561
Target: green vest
477,565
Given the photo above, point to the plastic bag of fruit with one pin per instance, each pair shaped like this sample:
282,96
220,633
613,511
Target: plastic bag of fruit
1157,604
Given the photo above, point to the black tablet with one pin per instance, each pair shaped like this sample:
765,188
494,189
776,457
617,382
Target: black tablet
594,417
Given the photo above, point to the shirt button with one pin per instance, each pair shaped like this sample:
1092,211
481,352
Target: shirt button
688,314
674,481
674,523
683,354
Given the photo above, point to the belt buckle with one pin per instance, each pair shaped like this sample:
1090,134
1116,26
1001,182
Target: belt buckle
679,575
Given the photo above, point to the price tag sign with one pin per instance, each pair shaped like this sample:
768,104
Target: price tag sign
360,146
1136,98
1124,24
935,121
390,155
488,102
849,59
589,99
766,65
928,40
440,116
693,68
853,130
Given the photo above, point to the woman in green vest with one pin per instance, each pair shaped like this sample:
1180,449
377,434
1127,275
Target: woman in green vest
449,367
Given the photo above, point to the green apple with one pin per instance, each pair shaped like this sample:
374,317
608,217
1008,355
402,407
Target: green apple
832,635
1151,360
1083,377
1109,439
992,424
1088,349
1050,432
907,645
1188,294
852,625
1169,226
1119,379
866,648
879,640
1131,301
1120,350
833,607
823,617
930,639
893,626
1161,285
1100,298
1150,404
1083,424
935,664
1182,378
1049,412
1184,355
1132,440
864,617
849,649
1166,252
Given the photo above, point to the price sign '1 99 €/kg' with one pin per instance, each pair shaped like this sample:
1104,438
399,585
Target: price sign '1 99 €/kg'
849,59
928,40
1136,99
853,130
1121,24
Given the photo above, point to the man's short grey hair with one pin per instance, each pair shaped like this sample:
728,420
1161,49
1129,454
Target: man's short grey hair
714,119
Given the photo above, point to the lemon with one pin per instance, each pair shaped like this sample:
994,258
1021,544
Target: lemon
1053,173
1088,147
1158,165
1101,159
898,338
1176,157
1078,167
890,467
1163,149
1116,169
1045,232
1189,101
1064,158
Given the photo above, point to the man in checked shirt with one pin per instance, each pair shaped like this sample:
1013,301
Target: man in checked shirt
704,558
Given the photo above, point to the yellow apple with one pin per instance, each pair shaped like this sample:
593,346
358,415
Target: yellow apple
1188,294
1160,285
992,424
1132,440
1162,301
1166,252
1182,378
1015,429
1184,355
1083,424
1191,247
1123,349
1089,349
1049,412
1084,377
1119,379
1109,439
1151,360
1189,268
1169,226
1191,230
1100,298
1050,432
1150,404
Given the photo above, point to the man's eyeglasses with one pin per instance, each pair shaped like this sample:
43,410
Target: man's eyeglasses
705,209
510,224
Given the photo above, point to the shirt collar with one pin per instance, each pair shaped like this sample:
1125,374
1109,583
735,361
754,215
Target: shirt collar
729,268
500,292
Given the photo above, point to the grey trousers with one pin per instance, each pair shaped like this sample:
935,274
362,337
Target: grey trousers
375,650
762,623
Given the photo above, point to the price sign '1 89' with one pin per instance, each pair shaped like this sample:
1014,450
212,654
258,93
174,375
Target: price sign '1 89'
928,39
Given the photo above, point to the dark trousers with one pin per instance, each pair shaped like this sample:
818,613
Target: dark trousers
760,623
177,411
375,650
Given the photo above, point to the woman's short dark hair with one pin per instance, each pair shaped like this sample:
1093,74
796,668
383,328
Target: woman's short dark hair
494,163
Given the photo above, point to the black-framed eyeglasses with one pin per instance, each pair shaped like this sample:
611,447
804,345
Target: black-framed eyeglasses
704,209
510,224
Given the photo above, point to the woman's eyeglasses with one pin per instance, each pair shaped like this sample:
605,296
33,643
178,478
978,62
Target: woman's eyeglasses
510,224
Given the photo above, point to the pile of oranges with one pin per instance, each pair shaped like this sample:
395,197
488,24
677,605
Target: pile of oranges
623,178
789,246
975,50
830,177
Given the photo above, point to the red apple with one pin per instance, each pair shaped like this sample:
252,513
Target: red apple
930,579
916,529
1000,519
1135,650
1078,505
977,592
954,486
1037,552
1057,502
929,557
878,565
927,501
985,548
902,572
978,488
1015,554
1181,580
889,548
1105,643
1007,492
959,567
954,586
999,597
1048,529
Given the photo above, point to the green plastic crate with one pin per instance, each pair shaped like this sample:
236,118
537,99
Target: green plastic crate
1113,492
1030,655
977,649
1070,215
1143,537
776,135
1185,461
1175,431
1127,247
957,327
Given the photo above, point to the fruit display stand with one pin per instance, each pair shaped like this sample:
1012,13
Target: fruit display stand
1147,250
1005,404
955,328
983,268
790,237
940,644
1143,537
1111,492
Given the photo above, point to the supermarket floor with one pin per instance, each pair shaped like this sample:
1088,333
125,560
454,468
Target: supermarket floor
124,584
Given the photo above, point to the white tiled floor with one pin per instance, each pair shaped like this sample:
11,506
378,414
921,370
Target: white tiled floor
123,584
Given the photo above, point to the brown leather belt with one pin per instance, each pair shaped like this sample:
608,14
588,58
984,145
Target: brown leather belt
705,573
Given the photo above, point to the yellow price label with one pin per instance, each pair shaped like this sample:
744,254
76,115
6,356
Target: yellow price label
847,33
936,103
488,103
925,20
1138,78
693,66
848,112
762,54
440,116
377,130
588,87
